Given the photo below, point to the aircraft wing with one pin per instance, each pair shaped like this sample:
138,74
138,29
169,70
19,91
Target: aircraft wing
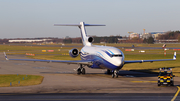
84,62
141,61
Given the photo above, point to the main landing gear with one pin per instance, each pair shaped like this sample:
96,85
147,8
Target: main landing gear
115,73
81,70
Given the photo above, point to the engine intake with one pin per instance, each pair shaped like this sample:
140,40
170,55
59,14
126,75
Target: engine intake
90,39
74,52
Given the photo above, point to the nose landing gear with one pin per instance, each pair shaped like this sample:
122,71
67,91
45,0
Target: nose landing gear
115,73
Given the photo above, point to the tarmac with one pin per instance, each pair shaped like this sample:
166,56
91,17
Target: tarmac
61,78
72,83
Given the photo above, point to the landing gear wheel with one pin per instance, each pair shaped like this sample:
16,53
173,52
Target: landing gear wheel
78,71
83,71
113,75
159,84
116,75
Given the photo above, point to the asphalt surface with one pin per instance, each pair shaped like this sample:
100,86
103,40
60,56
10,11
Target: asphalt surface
88,97
62,83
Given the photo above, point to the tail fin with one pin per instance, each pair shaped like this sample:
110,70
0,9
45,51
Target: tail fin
83,31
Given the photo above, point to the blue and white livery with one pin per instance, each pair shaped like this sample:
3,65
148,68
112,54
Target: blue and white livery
94,56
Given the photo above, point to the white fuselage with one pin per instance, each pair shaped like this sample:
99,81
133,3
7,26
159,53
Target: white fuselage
103,57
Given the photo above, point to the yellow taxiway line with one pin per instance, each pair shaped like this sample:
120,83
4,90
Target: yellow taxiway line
176,94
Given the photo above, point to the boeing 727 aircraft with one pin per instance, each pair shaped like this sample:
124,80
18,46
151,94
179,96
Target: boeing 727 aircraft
94,56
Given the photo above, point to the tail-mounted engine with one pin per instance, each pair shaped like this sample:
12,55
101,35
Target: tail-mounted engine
74,52
90,39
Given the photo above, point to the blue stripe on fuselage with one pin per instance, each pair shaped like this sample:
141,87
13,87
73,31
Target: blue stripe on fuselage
101,55
99,62
107,53
111,52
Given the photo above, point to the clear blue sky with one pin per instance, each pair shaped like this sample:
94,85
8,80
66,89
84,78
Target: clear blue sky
35,18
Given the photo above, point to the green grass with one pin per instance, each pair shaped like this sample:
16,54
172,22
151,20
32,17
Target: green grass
138,45
5,80
151,65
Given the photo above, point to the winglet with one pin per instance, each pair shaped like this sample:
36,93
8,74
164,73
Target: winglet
174,57
5,56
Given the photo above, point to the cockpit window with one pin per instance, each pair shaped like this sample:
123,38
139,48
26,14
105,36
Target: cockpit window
111,54
116,55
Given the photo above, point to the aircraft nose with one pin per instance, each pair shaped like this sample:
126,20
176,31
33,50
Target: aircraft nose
118,62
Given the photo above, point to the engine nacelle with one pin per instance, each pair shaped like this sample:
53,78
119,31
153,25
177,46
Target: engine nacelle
74,52
90,39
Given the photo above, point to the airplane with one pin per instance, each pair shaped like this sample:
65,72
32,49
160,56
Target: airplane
95,56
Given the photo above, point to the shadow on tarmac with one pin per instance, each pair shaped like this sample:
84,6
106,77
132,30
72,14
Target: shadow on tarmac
132,73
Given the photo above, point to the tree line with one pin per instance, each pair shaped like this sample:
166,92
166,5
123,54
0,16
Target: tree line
109,39
106,39
170,35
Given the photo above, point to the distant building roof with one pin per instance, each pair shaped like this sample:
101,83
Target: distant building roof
29,40
156,32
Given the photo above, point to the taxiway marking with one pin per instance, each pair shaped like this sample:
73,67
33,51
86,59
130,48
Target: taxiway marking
176,94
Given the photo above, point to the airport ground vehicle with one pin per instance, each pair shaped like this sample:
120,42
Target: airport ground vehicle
166,77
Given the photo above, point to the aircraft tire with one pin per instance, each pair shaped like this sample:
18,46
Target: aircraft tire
83,71
78,71
116,75
112,75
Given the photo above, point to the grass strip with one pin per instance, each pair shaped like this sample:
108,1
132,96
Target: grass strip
12,80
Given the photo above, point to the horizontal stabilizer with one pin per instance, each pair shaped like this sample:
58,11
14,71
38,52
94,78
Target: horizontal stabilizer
67,25
82,25
78,25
